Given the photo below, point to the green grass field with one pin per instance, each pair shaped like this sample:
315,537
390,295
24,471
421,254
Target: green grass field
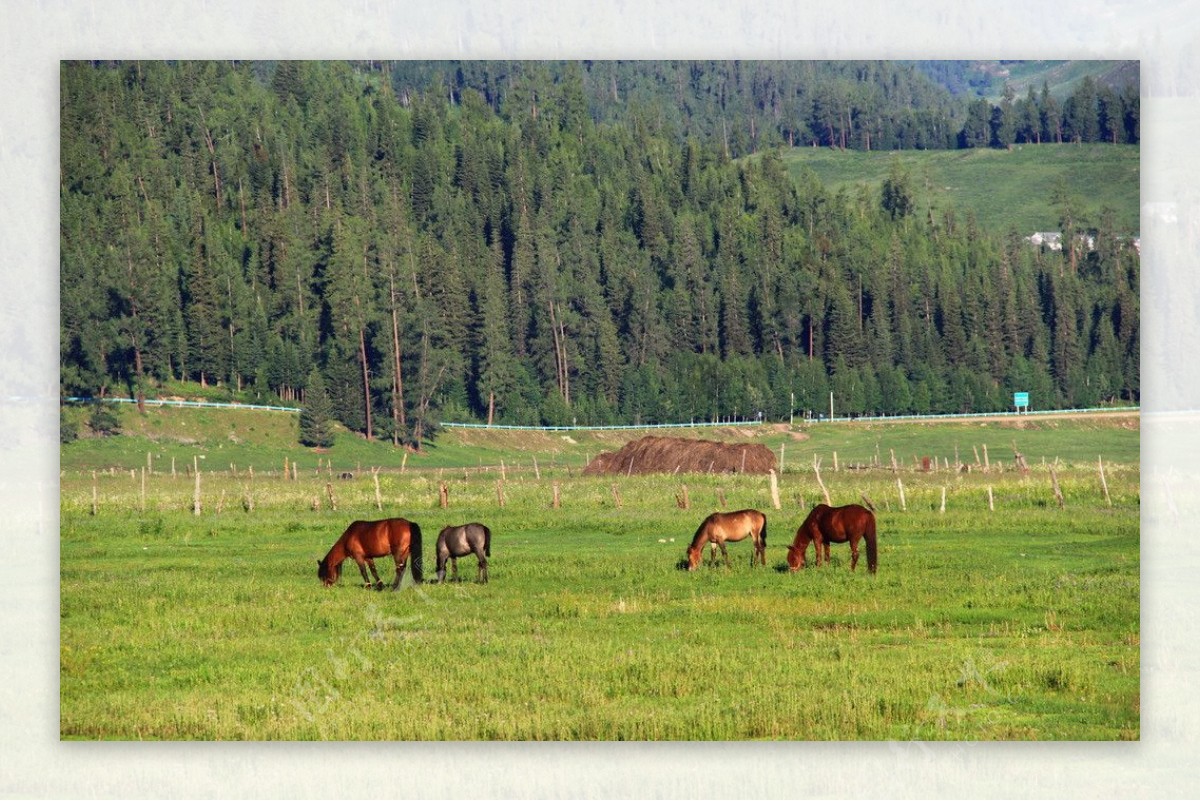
1018,623
1003,188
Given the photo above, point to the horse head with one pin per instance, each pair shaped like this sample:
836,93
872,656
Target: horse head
795,557
326,574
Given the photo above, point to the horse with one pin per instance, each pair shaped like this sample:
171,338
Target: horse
364,541
721,527
826,524
456,541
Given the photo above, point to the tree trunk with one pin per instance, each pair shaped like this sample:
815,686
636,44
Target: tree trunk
362,355
398,380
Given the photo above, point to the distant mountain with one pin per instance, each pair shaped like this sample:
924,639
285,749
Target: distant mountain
986,79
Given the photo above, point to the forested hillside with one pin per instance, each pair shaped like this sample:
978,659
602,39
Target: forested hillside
429,251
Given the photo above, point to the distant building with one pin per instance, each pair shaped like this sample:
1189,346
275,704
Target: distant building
1051,240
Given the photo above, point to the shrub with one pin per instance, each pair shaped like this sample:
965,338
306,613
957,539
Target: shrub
103,421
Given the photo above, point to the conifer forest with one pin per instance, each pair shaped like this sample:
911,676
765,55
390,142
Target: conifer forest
552,243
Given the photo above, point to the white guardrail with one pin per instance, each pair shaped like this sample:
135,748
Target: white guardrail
644,426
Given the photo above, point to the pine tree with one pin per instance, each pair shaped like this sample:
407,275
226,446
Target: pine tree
316,414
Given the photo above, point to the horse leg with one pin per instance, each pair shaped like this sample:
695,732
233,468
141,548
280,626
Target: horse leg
454,568
378,581
482,574
362,568
826,552
853,552
725,553
400,563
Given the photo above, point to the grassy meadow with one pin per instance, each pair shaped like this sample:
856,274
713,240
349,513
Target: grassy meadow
1016,623
1003,188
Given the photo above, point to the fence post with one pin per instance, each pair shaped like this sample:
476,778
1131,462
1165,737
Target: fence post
943,508
378,494
900,485
616,496
1019,459
555,502
1103,481
820,483
443,495
991,501
775,491
196,492
1058,496
500,493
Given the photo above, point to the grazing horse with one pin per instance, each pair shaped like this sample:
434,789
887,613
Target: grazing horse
365,540
826,524
456,541
721,527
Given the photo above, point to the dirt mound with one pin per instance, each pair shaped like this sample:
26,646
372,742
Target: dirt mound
677,455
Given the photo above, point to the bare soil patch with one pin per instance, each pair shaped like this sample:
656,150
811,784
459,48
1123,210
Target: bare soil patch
682,455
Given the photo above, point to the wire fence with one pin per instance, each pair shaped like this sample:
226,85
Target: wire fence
650,426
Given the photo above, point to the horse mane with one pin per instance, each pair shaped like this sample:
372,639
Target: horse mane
335,556
814,516
701,534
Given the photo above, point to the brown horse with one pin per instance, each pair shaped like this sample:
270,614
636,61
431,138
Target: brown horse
721,527
364,541
826,524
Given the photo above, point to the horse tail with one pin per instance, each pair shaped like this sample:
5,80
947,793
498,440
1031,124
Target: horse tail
414,551
762,543
872,550
487,542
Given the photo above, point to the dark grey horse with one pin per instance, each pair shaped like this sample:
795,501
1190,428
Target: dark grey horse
456,541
